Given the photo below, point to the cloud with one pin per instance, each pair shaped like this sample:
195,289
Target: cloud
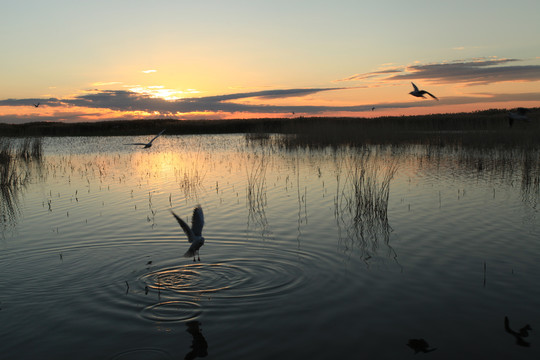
99,83
480,71
124,100
149,71
369,75
126,104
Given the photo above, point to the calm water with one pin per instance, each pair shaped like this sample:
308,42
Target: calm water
295,265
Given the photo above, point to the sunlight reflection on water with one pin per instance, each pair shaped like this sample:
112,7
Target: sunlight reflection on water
295,239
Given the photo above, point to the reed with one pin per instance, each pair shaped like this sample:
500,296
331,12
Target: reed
15,172
8,169
256,167
361,203
473,130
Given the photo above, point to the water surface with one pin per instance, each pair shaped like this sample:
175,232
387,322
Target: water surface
299,261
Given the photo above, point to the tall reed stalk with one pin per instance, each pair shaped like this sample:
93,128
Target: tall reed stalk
361,202
257,165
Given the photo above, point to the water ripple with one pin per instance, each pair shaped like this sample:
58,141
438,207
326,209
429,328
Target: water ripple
142,354
179,311
238,278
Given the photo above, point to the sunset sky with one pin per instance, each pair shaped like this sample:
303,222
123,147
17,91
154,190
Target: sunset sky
216,59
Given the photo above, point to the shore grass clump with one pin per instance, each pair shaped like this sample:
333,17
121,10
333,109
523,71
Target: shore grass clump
361,202
15,171
8,170
30,149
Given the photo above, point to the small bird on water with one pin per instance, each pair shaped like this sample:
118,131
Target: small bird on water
194,233
149,144
421,93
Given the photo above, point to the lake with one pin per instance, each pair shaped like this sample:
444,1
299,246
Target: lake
309,253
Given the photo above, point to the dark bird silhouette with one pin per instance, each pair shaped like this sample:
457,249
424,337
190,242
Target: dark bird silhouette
519,114
373,108
148,144
194,233
36,105
421,93
420,345
523,332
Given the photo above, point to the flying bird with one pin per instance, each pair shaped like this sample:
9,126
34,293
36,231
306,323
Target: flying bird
421,93
518,115
149,144
36,105
194,234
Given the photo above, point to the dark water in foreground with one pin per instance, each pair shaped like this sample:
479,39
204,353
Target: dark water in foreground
295,264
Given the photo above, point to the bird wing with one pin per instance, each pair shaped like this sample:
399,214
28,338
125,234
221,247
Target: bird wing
414,86
197,221
155,137
430,94
184,227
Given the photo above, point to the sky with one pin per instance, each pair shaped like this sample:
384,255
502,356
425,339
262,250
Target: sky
221,59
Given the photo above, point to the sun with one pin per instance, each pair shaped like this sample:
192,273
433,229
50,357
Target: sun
159,91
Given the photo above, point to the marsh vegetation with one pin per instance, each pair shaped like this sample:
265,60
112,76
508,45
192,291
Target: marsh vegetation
17,163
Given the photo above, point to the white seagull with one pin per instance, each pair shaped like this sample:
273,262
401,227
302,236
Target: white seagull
518,115
194,233
420,93
149,144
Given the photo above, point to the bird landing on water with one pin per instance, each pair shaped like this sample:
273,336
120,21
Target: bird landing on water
193,233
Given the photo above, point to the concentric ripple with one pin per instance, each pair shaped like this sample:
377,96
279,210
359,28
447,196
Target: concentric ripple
142,354
172,311
239,278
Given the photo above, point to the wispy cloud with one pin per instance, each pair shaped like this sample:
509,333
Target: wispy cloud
149,71
480,71
370,75
126,100
109,83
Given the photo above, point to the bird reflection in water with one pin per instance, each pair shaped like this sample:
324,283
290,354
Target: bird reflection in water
199,346
519,335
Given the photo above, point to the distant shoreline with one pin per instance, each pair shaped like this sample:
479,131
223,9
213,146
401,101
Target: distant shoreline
445,122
